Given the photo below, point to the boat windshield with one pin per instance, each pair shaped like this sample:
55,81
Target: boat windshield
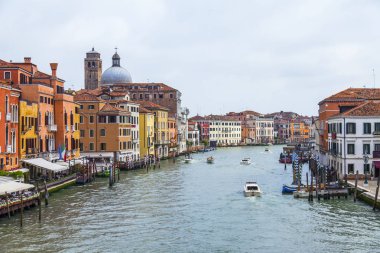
252,188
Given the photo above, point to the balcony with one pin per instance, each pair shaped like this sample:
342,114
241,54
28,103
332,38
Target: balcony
67,128
376,132
52,128
333,152
333,136
30,151
73,128
9,148
8,117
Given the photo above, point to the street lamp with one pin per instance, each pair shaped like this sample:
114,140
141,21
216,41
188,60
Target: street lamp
365,158
286,158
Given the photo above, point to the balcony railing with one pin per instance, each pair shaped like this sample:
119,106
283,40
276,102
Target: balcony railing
8,117
67,128
72,128
52,128
376,132
31,151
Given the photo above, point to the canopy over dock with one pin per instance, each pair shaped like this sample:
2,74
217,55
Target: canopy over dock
12,186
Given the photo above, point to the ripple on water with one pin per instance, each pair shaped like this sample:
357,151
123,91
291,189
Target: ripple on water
194,208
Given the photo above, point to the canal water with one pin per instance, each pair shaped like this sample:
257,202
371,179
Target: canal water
196,207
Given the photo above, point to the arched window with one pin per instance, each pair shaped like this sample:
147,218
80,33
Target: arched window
88,64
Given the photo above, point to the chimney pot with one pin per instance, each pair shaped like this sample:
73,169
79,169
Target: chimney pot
53,67
27,59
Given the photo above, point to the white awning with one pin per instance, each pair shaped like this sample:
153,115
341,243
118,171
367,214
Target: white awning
42,163
11,186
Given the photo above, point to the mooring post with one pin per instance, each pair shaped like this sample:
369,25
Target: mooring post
39,206
307,184
46,194
377,193
311,187
356,184
7,199
22,208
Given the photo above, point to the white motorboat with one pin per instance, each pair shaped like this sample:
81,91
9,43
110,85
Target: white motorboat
188,160
266,149
246,161
252,189
210,159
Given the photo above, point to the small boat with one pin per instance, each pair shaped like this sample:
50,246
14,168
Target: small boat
252,189
210,159
288,189
188,160
246,161
302,194
266,149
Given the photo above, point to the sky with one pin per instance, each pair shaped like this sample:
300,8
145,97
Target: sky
223,56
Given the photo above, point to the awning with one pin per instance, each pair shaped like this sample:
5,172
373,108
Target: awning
376,164
11,186
42,163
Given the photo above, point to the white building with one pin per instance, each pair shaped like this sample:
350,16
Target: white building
352,135
193,134
183,129
224,130
264,130
133,108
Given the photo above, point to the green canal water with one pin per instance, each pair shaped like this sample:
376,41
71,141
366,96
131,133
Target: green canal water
196,207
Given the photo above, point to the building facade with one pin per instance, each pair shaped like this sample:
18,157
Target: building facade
351,136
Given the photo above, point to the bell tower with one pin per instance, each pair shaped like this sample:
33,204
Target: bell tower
92,70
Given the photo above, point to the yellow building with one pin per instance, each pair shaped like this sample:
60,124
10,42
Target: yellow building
161,129
28,129
146,125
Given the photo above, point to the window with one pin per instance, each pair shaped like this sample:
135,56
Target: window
91,107
91,146
91,133
366,149
102,132
351,168
91,119
81,119
103,146
377,127
366,128
377,147
160,95
7,75
82,133
351,128
102,119
351,149
111,119
171,95
81,106
366,168
81,146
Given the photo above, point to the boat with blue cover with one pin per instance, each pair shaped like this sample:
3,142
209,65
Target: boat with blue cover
286,189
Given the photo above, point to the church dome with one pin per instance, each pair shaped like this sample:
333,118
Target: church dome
116,73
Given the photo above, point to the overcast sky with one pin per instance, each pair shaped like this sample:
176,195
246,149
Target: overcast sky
222,55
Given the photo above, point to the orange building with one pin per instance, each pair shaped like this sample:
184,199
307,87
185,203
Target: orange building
53,101
9,99
104,127
299,131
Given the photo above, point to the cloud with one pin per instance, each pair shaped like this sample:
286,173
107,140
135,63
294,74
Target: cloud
222,55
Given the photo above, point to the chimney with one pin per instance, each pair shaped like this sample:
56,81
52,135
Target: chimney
53,67
27,59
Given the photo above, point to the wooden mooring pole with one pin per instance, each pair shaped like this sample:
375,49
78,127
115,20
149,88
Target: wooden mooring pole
377,193
311,187
356,184
7,200
39,206
22,208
